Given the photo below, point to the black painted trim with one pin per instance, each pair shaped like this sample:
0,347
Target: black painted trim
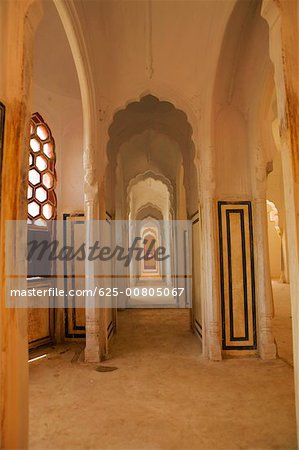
221,257
252,274
110,329
240,212
198,328
193,215
73,275
35,341
66,307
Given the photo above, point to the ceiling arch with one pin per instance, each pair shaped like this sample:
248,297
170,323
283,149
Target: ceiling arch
155,176
149,191
150,113
149,210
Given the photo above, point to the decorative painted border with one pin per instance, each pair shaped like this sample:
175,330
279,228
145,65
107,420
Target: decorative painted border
196,324
195,217
244,261
110,329
65,275
74,317
111,326
198,328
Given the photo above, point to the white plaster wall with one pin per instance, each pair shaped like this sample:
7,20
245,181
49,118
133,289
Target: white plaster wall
66,127
232,175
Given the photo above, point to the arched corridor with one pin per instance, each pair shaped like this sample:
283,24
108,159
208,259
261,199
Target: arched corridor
149,246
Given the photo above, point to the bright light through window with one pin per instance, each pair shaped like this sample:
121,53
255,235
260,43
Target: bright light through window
42,177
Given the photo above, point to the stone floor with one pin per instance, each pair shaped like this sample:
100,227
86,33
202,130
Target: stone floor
163,395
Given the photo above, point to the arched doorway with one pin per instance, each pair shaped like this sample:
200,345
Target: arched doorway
152,179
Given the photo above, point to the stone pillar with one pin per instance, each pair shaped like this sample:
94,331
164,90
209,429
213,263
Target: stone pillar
210,294
18,22
282,18
209,271
92,316
263,287
93,159
96,327
264,298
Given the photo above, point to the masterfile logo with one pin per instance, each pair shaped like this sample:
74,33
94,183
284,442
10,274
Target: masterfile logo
99,263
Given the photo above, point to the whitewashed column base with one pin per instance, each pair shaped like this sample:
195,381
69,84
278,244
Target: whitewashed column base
267,344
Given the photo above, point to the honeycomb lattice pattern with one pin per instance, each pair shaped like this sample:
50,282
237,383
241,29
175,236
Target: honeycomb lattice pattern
42,177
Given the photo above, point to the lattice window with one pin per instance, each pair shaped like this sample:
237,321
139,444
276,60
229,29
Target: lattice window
42,176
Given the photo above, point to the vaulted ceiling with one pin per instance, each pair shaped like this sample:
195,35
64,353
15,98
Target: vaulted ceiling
136,46
187,53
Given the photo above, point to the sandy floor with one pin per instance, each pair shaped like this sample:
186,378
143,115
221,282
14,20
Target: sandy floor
163,395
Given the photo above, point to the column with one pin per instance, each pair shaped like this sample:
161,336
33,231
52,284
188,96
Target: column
95,313
18,22
282,18
263,286
264,298
209,273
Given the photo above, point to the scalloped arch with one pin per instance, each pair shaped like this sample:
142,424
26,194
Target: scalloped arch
149,210
157,177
